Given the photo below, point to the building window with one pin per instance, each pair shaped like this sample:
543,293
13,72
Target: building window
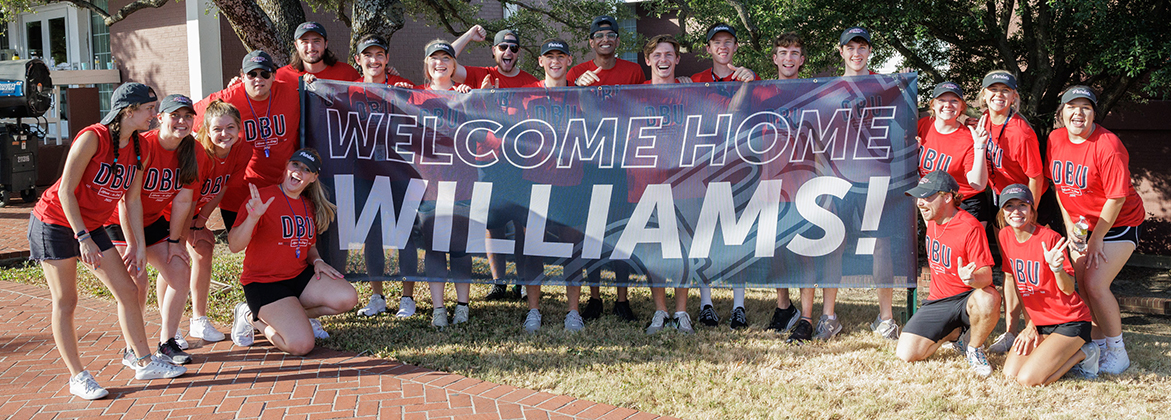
102,57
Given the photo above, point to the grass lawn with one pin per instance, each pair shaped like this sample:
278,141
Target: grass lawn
718,373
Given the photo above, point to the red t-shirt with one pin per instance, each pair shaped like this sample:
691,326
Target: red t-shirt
279,249
1015,156
338,71
160,180
476,77
708,76
1088,174
961,237
1043,300
951,153
216,173
390,80
102,184
623,73
270,130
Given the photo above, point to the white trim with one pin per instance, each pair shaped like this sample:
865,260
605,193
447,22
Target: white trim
204,57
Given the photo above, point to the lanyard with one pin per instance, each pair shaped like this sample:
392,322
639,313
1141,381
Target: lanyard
304,208
267,114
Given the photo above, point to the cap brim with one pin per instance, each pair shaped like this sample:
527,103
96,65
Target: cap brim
922,191
110,116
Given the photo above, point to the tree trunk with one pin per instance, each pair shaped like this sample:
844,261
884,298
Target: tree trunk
285,15
255,29
382,17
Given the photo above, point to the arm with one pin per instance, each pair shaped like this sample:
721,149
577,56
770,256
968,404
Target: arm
181,208
80,153
320,267
1035,185
978,176
474,34
239,237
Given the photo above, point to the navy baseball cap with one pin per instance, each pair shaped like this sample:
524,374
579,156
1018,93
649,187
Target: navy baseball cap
502,37
128,95
307,158
440,46
257,59
555,45
855,32
933,183
307,27
175,102
1015,191
1079,91
372,42
720,27
602,23
947,87
999,77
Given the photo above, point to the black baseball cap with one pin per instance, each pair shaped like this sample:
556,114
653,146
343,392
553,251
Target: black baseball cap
720,27
933,183
128,95
502,37
1079,91
372,42
555,45
440,46
307,158
257,59
999,77
602,23
1016,191
175,102
855,32
947,87
307,27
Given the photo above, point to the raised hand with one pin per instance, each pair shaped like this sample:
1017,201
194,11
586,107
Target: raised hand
255,206
965,271
980,134
588,78
743,74
1055,256
489,83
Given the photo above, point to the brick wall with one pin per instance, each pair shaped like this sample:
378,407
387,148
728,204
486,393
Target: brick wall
151,47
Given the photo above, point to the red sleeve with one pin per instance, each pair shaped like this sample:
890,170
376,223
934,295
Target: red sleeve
976,245
475,76
1115,172
1029,152
1002,238
289,74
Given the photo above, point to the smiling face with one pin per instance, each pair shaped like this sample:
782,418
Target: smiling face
1017,213
139,119
1078,117
722,48
297,177
373,61
505,57
662,60
224,131
933,207
177,123
604,42
856,55
256,85
999,97
556,64
948,106
789,61
311,47
440,66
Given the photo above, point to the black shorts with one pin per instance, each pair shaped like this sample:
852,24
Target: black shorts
1122,234
1079,329
260,294
510,195
155,233
55,242
979,206
229,218
938,318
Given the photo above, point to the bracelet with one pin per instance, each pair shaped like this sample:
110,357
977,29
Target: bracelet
174,241
80,233
83,237
315,261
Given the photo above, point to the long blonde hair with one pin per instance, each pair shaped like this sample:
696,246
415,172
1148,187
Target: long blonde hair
215,109
317,195
1016,103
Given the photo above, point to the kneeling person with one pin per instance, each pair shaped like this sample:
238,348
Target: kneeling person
962,299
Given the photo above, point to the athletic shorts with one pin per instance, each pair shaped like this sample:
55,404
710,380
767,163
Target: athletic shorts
260,294
229,218
510,195
938,318
155,233
1122,234
980,207
55,242
1079,329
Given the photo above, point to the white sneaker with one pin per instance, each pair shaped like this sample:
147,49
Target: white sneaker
1088,368
318,330
533,321
182,342
202,329
887,329
439,317
158,369
1003,343
978,361
85,386
961,344
1113,361
243,333
683,323
376,306
573,321
658,321
406,307
461,314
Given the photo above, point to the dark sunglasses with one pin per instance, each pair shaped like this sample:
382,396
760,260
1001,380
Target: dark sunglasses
609,35
261,74
506,46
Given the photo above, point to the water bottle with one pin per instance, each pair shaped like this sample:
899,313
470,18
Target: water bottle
1081,232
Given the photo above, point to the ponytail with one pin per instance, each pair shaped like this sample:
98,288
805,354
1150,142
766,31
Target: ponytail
188,168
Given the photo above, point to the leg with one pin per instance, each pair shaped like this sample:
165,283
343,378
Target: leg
884,275
983,308
140,281
913,348
174,279
681,299
1054,356
112,273
435,264
1012,309
1094,284
201,262
783,301
62,278
326,296
285,324
659,295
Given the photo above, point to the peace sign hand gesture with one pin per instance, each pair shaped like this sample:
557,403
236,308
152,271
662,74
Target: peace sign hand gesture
1055,256
965,271
980,134
256,207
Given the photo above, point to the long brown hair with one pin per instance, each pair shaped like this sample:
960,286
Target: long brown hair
317,195
188,167
215,109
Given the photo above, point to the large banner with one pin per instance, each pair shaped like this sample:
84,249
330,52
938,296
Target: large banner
764,184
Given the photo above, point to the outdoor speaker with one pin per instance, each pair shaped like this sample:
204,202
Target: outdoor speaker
25,88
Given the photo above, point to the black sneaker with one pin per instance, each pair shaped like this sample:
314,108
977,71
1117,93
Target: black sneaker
518,292
622,310
707,316
499,292
784,319
739,318
171,351
593,309
802,332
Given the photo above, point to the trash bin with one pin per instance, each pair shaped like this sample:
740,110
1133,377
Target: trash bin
18,163
25,92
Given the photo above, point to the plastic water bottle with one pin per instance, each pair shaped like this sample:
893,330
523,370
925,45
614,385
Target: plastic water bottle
1081,232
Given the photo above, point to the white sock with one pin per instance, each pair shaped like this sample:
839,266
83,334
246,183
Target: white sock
1101,342
705,296
1114,342
834,316
738,297
680,314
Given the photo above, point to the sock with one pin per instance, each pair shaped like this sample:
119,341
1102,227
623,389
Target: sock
376,294
834,316
1114,342
461,304
680,314
738,297
1101,342
705,296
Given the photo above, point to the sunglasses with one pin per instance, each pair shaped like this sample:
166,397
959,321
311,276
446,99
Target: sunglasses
606,35
506,46
261,74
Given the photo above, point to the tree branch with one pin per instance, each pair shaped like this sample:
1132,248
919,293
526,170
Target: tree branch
749,24
118,16
918,61
557,18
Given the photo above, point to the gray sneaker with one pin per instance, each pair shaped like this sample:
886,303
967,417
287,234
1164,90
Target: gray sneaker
658,321
461,314
887,329
1002,343
827,328
683,323
1088,368
573,321
439,317
533,321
